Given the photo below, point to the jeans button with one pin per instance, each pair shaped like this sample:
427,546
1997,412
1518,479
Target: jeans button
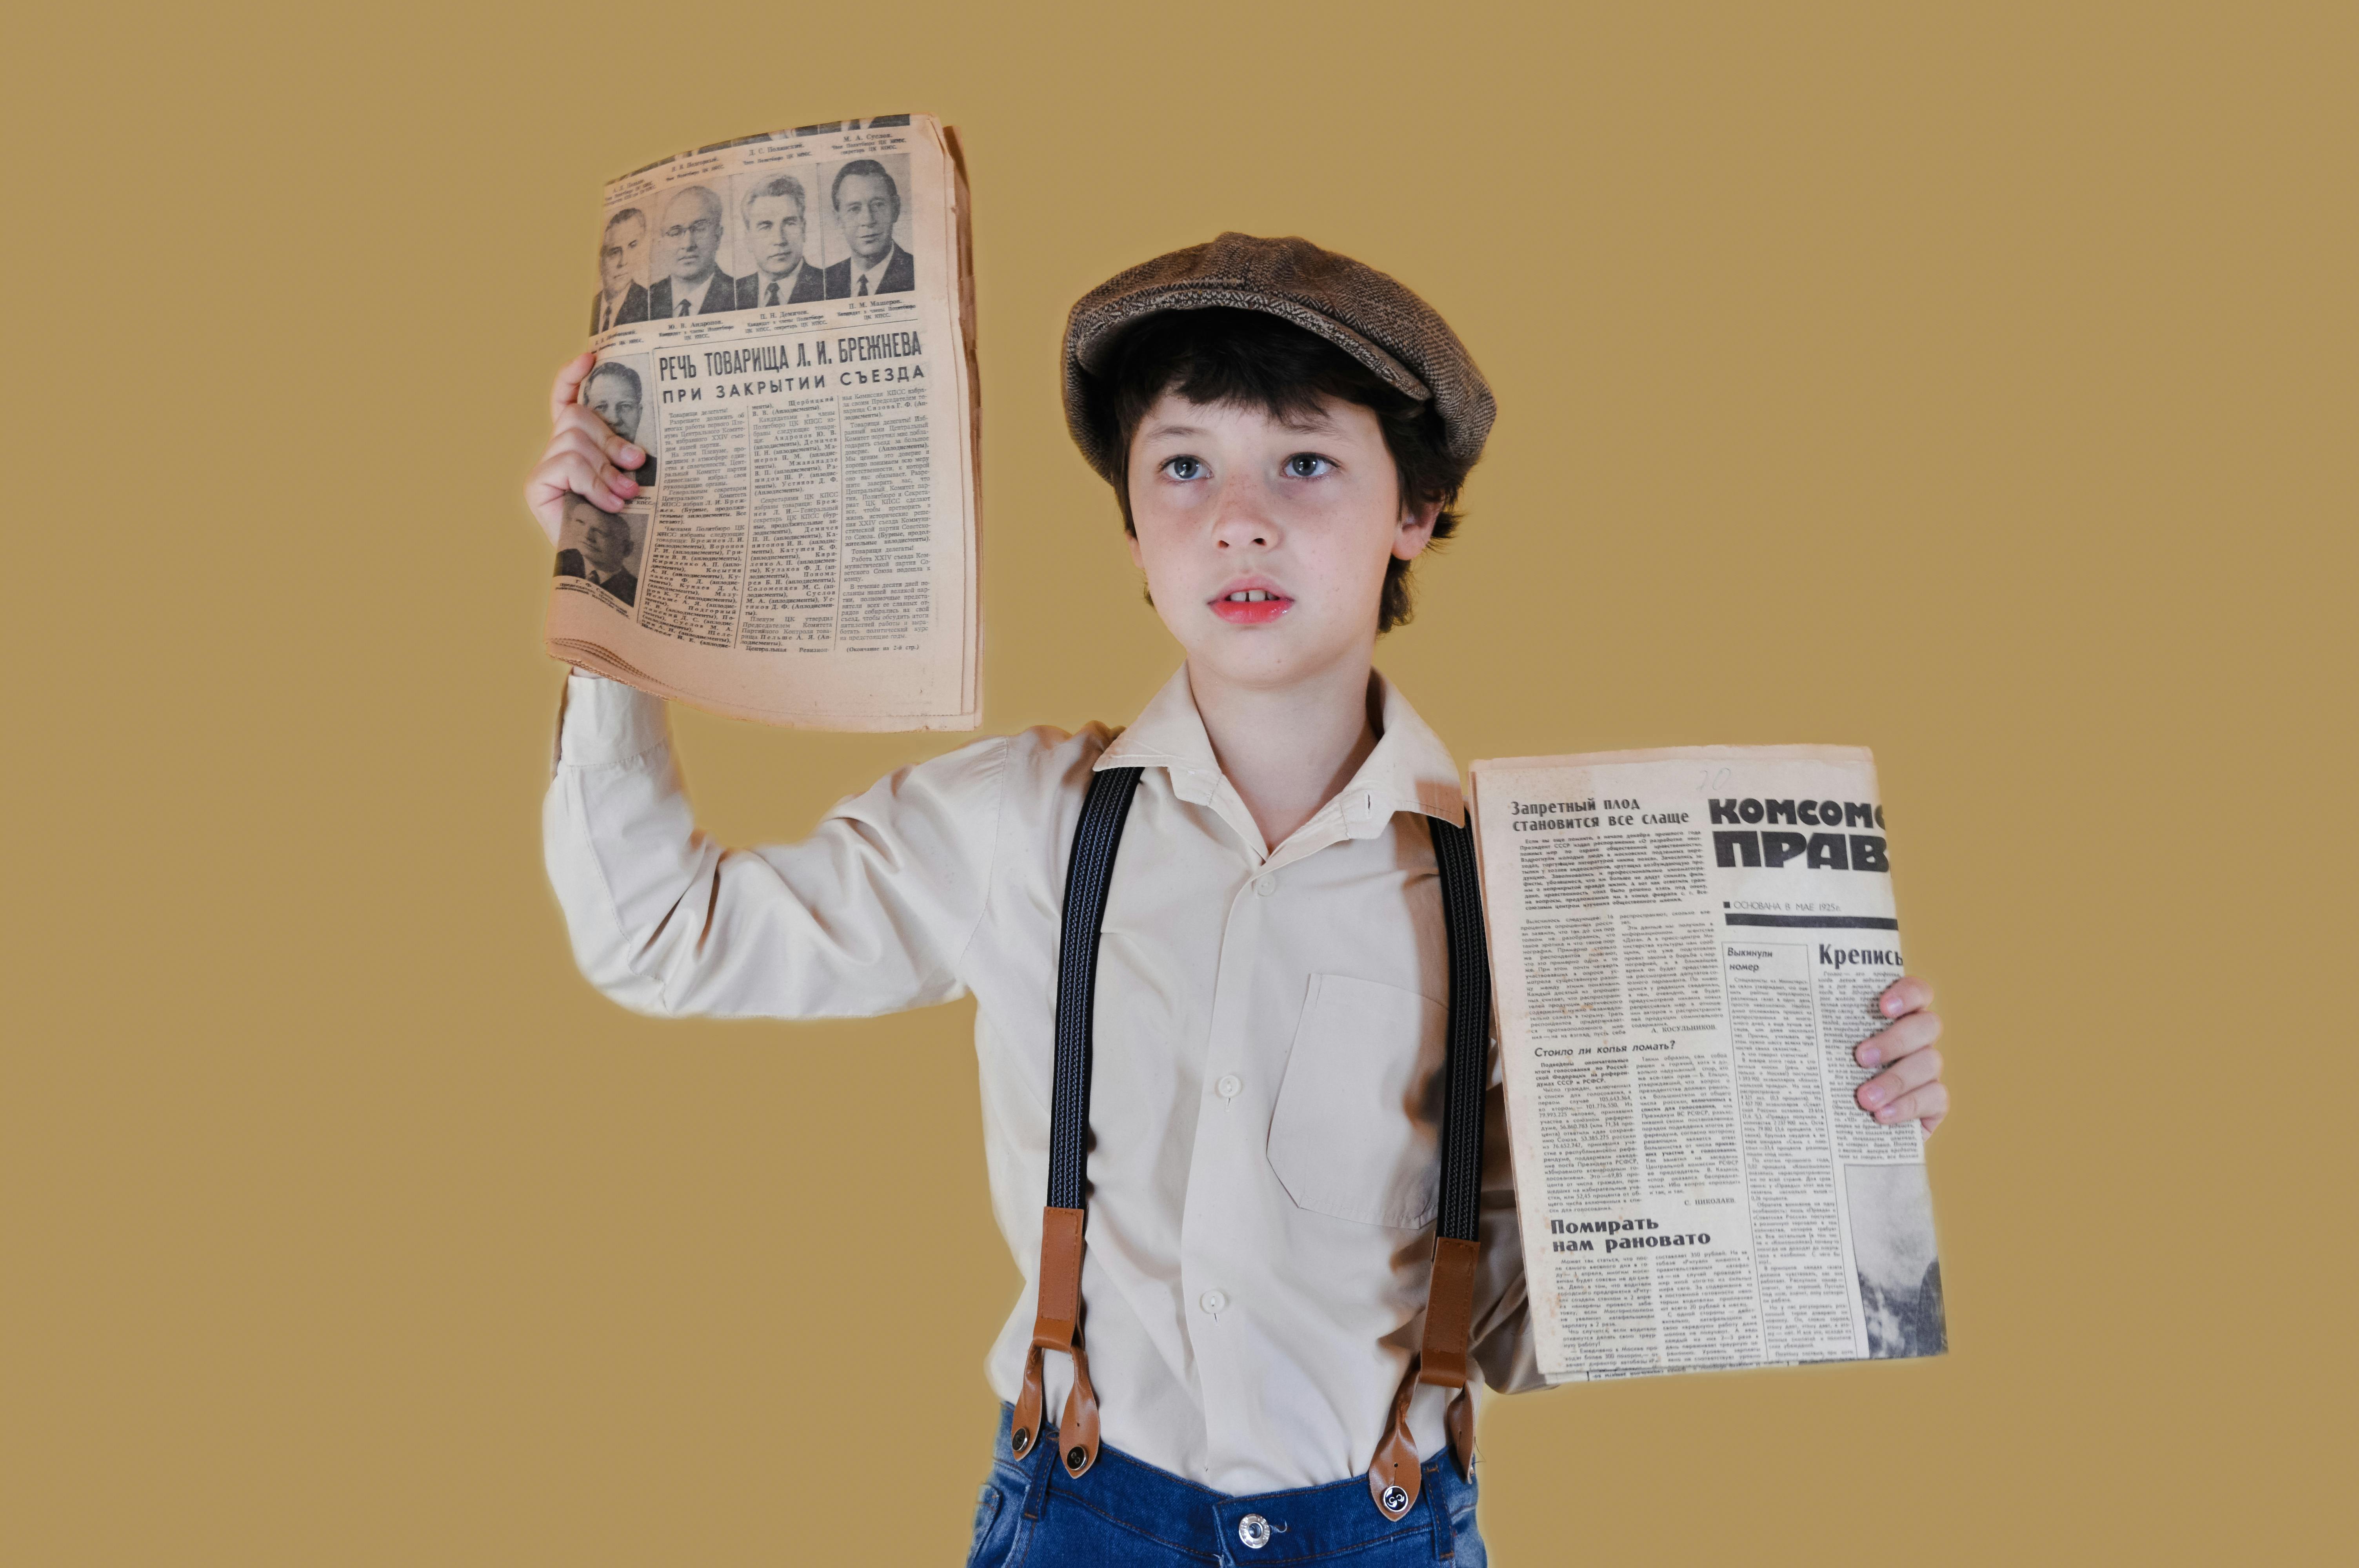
1253,1530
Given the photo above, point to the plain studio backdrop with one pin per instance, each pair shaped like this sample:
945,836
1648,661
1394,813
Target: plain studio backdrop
1972,382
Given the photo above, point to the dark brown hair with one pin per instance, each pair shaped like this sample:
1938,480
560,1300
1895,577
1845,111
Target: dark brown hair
1252,360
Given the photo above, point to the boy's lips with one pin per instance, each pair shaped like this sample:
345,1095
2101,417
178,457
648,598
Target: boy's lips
1253,603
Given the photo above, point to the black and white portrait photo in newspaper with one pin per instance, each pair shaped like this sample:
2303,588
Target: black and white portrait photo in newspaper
687,250
866,199
603,549
622,296
774,230
617,393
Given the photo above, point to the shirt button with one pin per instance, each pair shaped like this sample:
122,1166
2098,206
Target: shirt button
1230,1085
1214,1302
1267,886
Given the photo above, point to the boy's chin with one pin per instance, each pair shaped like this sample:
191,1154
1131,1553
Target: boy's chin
1260,656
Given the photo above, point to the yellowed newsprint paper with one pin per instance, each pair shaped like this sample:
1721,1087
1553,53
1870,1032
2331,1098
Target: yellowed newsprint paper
785,323
1687,944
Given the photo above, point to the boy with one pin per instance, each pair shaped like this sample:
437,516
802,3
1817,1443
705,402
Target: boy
1286,430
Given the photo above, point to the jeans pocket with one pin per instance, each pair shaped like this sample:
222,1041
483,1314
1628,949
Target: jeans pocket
987,1504
1466,1539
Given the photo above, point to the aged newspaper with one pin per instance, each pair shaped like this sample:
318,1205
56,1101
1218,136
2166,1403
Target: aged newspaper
785,324
1687,946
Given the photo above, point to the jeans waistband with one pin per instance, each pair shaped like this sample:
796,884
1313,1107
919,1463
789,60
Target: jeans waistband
1293,1526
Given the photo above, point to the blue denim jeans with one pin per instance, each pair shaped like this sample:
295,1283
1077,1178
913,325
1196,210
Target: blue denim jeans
1126,1514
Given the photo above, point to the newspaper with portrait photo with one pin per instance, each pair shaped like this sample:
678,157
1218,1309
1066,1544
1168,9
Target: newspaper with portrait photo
1688,950
785,325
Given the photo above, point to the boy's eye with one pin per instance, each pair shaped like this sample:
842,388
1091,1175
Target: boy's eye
1307,465
1182,467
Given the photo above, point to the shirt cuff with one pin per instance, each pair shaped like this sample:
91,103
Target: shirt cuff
603,721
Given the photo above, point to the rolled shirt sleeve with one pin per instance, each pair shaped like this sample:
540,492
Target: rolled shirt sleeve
1502,1339
869,914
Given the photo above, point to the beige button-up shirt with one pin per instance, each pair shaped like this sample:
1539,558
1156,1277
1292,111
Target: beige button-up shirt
1269,1038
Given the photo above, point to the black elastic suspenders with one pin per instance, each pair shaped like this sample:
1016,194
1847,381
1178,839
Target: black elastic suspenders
1394,1479
1056,1321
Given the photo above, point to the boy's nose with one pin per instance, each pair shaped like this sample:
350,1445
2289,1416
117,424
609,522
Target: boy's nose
1236,530
1243,519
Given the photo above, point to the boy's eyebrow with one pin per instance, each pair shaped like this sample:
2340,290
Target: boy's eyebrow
1308,420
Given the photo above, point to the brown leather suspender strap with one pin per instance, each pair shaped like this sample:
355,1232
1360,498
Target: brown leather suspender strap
1394,1476
1056,1321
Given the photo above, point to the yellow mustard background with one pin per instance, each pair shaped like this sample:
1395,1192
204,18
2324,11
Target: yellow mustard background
1975,382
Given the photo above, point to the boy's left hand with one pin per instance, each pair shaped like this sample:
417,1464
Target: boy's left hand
1911,1084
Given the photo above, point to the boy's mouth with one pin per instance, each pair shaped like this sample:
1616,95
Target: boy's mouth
1251,604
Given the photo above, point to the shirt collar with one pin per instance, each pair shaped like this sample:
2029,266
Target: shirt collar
1410,770
786,282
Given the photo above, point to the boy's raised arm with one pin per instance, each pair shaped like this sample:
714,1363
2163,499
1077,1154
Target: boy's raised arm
869,914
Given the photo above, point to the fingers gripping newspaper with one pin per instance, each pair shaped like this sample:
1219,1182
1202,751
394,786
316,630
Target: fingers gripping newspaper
785,323
1687,946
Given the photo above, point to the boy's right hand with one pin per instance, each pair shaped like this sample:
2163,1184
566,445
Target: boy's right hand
585,457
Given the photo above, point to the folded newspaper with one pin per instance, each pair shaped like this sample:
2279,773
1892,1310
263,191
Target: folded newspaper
1687,946
785,323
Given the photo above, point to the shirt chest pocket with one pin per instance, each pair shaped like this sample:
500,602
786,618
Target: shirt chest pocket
1356,1132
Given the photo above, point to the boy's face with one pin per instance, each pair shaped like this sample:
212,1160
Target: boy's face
1229,503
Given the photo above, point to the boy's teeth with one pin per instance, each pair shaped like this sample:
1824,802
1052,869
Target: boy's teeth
1248,596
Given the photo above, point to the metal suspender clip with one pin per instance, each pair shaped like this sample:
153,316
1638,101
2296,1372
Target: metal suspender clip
1057,1326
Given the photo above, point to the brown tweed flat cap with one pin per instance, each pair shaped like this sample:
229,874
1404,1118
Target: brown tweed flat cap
1354,307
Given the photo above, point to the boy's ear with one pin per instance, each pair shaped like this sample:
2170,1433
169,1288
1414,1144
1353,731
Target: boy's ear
1416,531
1138,556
